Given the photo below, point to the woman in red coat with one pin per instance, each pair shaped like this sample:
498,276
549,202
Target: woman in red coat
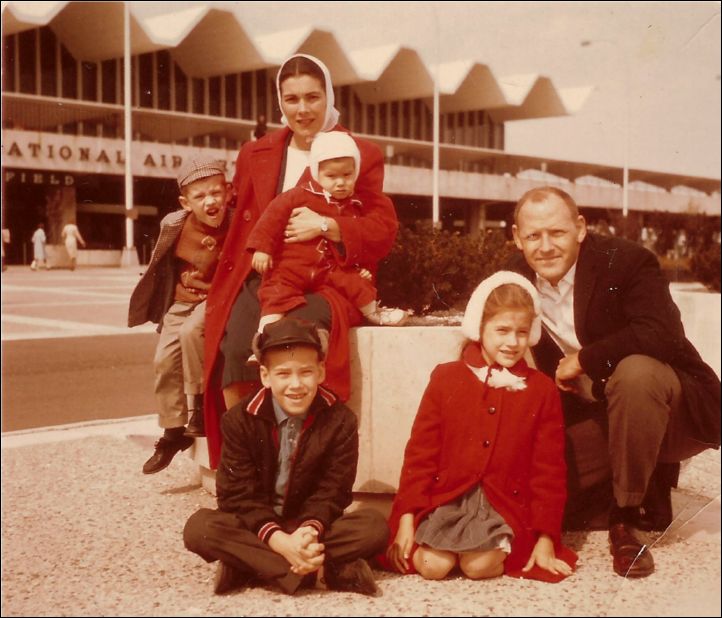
265,168
483,483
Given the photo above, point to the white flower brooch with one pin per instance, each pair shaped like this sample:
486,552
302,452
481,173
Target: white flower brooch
500,378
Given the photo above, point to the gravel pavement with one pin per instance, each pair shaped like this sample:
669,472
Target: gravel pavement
84,533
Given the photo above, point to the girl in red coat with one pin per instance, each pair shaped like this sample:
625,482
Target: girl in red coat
483,483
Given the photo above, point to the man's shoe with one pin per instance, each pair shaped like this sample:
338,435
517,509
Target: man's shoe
631,558
227,578
196,426
355,576
165,451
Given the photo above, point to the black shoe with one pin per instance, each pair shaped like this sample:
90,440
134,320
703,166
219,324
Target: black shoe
631,558
165,451
227,578
196,426
355,576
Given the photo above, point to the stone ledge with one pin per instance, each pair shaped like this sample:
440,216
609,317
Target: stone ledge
390,369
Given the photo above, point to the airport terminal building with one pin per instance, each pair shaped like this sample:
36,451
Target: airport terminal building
199,81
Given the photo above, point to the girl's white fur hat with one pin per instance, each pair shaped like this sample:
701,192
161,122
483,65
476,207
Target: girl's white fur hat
333,145
471,324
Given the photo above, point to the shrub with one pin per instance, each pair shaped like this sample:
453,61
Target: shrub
706,265
430,270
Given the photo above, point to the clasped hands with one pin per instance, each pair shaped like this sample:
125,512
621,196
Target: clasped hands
300,548
191,281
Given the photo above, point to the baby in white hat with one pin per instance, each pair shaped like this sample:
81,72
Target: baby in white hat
293,266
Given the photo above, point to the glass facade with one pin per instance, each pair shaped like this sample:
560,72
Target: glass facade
36,63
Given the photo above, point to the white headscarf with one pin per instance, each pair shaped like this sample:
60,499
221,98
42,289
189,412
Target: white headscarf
471,323
332,114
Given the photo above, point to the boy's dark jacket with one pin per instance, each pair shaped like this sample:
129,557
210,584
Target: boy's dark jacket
622,306
323,468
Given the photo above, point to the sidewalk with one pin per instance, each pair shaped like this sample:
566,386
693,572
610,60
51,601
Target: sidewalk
85,533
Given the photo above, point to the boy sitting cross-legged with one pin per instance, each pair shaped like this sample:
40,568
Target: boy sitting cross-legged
288,464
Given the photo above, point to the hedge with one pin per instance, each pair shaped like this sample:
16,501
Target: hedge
433,270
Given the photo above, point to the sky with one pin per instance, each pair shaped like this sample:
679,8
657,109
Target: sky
654,66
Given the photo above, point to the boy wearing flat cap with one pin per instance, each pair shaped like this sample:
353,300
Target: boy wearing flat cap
288,464
172,293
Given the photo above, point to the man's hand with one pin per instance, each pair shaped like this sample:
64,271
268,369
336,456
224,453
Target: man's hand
399,551
567,371
543,555
300,548
261,262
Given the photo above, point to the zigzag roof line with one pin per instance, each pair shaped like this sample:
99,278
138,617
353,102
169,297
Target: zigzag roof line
207,41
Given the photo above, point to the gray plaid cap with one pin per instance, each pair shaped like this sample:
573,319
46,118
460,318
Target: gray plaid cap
200,166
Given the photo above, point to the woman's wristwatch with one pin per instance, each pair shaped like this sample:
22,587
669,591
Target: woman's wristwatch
324,225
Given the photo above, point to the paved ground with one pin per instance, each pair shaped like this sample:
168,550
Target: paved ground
66,350
84,533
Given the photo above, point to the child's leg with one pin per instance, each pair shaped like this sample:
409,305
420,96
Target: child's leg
169,388
368,309
172,413
216,535
191,336
433,563
482,564
362,294
191,340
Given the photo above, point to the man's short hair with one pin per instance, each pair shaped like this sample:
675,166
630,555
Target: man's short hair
540,194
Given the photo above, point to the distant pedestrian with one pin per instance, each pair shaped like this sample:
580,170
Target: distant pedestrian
172,293
5,241
39,241
71,237
261,127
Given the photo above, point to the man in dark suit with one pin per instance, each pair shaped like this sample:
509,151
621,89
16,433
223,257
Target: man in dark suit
637,396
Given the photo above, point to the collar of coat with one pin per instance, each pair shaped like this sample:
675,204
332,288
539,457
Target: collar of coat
261,404
473,356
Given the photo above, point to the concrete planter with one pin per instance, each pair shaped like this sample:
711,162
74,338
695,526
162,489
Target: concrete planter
390,369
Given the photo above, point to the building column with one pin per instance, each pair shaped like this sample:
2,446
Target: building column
477,219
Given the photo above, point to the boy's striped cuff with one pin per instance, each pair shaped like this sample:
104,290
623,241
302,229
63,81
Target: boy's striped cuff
267,530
